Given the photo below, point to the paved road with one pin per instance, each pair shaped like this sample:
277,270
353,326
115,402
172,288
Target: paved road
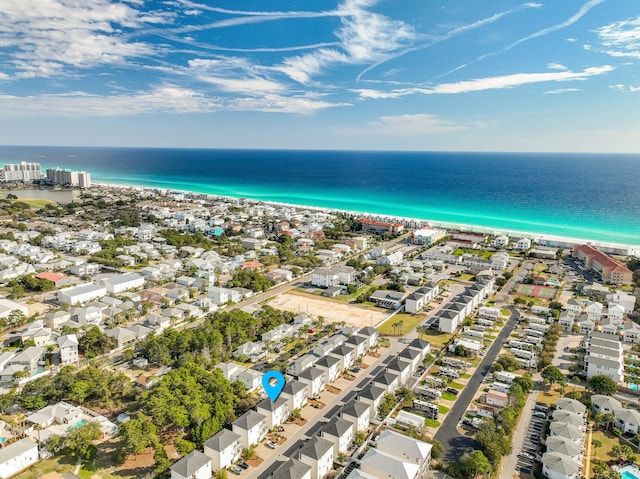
311,427
455,444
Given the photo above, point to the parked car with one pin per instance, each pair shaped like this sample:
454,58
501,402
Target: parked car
235,469
272,444
243,465
539,414
453,391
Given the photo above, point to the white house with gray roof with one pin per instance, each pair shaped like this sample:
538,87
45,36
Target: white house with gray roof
315,379
318,454
291,469
373,396
17,457
565,446
559,466
557,428
276,412
340,432
346,355
194,465
224,448
387,380
296,394
400,367
331,366
360,343
358,413
370,333
251,427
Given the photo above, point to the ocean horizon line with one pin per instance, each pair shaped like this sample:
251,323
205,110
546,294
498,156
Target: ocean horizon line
337,150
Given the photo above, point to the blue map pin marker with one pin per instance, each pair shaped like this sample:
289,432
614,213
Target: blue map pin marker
273,391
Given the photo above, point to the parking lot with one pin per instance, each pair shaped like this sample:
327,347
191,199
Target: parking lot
529,451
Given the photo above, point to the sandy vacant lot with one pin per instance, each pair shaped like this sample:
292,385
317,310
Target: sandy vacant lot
329,310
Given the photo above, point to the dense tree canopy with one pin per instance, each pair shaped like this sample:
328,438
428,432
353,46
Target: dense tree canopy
602,384
212,341
190,398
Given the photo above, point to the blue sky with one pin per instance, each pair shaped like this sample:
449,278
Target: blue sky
353,74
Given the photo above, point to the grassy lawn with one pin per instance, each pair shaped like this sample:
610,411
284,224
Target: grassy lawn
437,339
608,441
443,409
465,375
431,423
62,465
448,397
505,312
35,202
409,322
465,277
549,397
456,385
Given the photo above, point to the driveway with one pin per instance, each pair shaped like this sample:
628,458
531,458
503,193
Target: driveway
455,444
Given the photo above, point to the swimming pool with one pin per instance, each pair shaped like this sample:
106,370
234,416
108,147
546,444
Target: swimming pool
629,472
633,386
3,439
81,422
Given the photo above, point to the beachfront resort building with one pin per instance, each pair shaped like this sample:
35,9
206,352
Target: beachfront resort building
427,236
22,171
610,270
379,227
58,176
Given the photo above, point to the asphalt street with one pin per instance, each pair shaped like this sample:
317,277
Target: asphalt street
454,443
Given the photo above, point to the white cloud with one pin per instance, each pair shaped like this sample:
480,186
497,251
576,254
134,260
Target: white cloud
450,34
81,104
561,90
411,125
634,89
302,104
621,39
490,83
556,66
364,36
43,36
540,33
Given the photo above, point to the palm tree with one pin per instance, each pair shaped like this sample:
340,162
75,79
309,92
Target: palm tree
596,443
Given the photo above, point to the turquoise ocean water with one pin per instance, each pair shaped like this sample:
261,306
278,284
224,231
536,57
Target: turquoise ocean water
594,197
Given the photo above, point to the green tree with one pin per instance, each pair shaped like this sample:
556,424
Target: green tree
602,384
79,442
475,464
137,434
526,382
494,441
508,362
360,438
552,375
596,443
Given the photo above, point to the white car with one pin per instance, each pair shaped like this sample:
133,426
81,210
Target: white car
271,444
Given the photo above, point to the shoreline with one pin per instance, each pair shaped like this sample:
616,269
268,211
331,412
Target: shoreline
537,238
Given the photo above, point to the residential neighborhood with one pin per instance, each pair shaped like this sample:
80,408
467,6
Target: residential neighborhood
141,321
